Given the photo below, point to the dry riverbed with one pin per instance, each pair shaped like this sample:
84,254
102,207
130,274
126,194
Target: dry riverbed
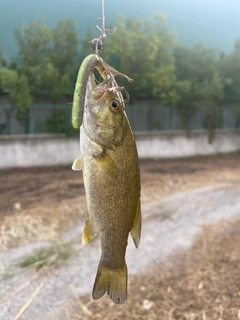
187,266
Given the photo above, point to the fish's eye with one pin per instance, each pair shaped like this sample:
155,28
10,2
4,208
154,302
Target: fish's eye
115,105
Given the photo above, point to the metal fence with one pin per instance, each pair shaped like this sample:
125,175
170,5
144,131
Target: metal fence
144,115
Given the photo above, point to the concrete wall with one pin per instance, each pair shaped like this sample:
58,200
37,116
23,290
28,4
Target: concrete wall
43,150
171,144
37,150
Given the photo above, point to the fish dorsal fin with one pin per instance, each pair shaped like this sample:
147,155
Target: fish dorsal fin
89,231
136,229
77,164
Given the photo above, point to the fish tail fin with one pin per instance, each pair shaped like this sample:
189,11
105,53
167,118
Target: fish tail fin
112,281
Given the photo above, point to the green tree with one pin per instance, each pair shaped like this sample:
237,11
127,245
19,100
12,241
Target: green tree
8,79
48,58
142,50
86,45
34,46
2,60
230,68
22,101
47,63
19,94
199,67
64,50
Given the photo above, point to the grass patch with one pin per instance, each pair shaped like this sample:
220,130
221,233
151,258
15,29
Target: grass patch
4,172
48,256
22,228
7,270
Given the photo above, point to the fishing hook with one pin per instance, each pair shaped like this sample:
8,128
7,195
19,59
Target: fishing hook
97,43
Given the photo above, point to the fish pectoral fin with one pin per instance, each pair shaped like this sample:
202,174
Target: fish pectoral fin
136,229
108,166
96,150
89,231
77,164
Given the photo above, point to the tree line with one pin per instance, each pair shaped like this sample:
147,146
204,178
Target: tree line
188,79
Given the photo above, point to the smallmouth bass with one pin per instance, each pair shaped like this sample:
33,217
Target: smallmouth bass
111,174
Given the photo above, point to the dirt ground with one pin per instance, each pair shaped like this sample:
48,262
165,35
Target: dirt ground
200,283
42,203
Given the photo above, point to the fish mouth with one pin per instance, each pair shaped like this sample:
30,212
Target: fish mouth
99,97
108,85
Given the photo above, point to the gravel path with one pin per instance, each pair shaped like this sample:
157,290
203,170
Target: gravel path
168,225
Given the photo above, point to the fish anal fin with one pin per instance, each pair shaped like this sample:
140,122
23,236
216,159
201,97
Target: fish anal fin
89,231
136,229
77,164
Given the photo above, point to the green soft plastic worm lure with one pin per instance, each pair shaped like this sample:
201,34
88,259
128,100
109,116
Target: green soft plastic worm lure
89,63
92,61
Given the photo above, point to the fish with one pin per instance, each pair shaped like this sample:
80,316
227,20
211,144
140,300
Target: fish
111,175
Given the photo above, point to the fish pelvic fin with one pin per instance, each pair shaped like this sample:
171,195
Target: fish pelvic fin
77,164
111,281
89,231
136,229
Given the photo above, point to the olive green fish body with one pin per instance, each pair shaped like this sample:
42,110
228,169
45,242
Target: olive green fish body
113,189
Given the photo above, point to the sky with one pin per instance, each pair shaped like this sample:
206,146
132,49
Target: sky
215,23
